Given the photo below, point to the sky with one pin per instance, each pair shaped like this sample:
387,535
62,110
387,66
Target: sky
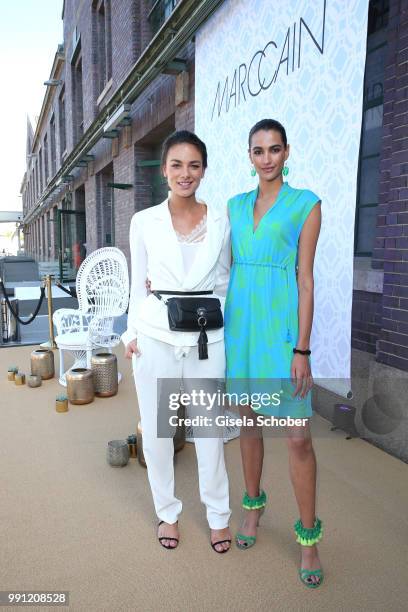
30,31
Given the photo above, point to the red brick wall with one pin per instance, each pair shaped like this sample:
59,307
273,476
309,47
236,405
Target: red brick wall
366,320
391,245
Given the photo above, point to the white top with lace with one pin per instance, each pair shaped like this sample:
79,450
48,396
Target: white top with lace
190,244
197,234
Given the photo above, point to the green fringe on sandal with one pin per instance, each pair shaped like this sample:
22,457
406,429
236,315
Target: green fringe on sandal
250,503
309,537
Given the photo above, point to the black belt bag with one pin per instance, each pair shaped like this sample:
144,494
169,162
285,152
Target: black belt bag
190,314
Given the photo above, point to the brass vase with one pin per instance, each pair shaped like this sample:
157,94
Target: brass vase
139,445
117,454
105,372
34,380
80,389
42,363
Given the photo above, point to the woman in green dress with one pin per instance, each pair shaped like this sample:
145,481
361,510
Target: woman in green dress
268,321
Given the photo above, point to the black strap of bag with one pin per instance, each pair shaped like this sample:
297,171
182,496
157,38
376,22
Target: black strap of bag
190,313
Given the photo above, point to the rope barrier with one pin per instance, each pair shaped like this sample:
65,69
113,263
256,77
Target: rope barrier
15,315
71,292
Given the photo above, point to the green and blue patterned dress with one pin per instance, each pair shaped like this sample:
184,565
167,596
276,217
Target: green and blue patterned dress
261,310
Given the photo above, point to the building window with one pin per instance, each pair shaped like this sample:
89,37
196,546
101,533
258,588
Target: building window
55,232
62,129
378,11
48,222
37,181
40,171
101,18
32,187
53,147
45,147
371,132
106,210
42,241
160,11
77,100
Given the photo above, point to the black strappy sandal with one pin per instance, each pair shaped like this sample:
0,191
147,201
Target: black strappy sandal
167,538
224,550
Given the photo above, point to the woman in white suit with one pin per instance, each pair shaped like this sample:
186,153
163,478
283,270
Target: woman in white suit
181,245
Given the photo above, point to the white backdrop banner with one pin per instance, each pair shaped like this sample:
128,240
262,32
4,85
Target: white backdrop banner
300,62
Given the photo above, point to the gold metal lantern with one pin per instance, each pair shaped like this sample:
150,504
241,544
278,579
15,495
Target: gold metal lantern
105,373
80,388
34,380
42,363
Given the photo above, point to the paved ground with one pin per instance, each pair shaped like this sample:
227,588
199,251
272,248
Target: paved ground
69,521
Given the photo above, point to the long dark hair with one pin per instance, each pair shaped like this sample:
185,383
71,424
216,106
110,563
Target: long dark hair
268,124
182,137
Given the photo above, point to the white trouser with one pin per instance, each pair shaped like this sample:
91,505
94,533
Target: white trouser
181,364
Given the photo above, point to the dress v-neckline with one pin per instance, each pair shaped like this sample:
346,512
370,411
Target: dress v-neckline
256,192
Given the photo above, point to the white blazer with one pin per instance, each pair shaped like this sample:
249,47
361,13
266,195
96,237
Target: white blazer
156,255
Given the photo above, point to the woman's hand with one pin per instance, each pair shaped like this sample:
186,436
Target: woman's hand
132,348
301,375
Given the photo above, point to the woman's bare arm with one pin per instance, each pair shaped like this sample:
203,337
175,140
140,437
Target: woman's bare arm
300,368
306,254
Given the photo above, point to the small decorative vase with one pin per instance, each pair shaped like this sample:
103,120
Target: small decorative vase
61,403
34,380
139,444
19,378
12,371
80,389
42,363
117,454
132,444
105,372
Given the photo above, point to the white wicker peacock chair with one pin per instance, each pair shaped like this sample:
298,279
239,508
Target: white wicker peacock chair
102,286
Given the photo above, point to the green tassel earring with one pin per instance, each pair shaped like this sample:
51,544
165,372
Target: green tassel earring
285,170
253,171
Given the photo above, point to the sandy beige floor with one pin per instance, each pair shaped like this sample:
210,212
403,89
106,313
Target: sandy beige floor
69,521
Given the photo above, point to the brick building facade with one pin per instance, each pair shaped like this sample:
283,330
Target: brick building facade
380,301
82,185
92,202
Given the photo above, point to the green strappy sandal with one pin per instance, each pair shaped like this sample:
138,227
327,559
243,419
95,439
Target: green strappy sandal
309,537
250,503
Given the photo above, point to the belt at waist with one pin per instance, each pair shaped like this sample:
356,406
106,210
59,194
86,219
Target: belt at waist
257,263
182,292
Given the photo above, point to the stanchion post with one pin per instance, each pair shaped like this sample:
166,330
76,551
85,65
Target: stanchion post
48,284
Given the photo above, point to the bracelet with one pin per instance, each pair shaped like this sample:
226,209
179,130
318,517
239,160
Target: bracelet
307,352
